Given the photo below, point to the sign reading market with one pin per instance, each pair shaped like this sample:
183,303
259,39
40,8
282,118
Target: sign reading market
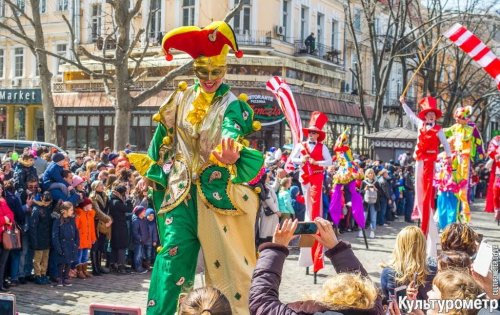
20,96
266,109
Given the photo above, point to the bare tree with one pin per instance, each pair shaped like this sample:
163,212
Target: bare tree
118,78
15,25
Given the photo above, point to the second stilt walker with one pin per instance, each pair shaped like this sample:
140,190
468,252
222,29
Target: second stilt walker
199,163
313,158
430,135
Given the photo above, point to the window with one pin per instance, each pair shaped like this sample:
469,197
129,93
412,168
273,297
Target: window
95,22
335,30
304,22
2,8
43,6
18,62
357,20
377,29
62,5
242,24
374,84
320,27
21,4
61,51
1,62
188,10
286,18
354,66
155,21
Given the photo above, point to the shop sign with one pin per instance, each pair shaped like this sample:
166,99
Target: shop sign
265,108
20,96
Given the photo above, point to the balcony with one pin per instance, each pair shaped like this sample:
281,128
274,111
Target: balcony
320,51
253,38
391,102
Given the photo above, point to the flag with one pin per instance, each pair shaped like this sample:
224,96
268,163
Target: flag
286,102
476,49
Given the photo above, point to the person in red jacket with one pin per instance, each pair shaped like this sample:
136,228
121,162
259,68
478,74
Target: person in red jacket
6,222
430,135
313,157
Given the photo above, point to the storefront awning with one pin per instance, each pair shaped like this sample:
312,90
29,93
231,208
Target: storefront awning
312,103
99,99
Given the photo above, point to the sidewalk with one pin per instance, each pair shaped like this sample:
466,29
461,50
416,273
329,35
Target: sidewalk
131,290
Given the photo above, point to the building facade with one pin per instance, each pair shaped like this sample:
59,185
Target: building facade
272,34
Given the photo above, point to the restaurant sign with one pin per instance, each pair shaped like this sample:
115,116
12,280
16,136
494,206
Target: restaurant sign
266,109
20,96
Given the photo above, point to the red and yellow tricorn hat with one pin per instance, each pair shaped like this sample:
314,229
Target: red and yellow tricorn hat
208,42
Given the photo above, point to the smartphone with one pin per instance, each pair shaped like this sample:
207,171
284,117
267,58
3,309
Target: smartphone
399,294
101,309
483,259
306,228
415,278
7,304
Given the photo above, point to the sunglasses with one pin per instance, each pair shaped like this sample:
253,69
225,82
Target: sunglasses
313,132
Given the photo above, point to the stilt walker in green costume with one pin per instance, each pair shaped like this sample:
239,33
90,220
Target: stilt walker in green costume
198,164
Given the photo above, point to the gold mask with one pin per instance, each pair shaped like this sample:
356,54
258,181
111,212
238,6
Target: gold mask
209,72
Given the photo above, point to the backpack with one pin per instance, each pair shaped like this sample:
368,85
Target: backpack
370,196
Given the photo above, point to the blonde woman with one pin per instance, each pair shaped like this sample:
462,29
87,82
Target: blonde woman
408,259
348,292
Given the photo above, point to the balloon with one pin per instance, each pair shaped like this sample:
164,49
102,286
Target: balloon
14,156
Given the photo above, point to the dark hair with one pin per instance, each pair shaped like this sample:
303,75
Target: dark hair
121,189
47,196
206,300
9,185
32,179
65,173
453,259
111,179
27,156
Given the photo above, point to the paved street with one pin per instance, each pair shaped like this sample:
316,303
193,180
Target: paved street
132,290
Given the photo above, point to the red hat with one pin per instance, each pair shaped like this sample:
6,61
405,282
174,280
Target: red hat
317,122
207,42
85,202
429,104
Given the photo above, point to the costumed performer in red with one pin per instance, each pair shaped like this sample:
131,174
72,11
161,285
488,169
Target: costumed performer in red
430,135
313,157
493,194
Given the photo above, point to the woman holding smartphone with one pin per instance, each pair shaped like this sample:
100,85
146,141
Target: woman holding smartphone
348,292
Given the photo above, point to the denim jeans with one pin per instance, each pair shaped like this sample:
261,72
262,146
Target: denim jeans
83,256
138,256
371,211
409,201
15,258
149,253
26,258
383,209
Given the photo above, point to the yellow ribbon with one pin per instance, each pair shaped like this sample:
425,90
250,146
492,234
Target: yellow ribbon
201,104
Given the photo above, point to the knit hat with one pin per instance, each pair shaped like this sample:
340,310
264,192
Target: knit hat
121,189
77,180
85,202
112,156
58,157
101,164
149,211
138,210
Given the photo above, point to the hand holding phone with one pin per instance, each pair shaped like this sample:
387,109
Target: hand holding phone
483,259
306,228
327,236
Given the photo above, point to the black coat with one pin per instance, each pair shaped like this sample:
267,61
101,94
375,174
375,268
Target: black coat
21,175
16,206
264,297
65,240
40,231
118,211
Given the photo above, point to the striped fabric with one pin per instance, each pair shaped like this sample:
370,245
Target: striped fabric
476,49
284,95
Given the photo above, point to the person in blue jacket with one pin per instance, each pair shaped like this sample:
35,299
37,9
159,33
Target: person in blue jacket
53,178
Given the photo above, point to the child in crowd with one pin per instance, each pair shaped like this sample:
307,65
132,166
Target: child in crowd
65,242
53,178
150,249
24,169
79,184
207,300
39,236
140,237
298,203
86,229
285,200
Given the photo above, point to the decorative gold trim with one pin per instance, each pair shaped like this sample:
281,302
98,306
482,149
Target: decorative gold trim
233,212
178,157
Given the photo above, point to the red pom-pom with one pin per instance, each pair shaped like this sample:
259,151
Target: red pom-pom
239,54
169,57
